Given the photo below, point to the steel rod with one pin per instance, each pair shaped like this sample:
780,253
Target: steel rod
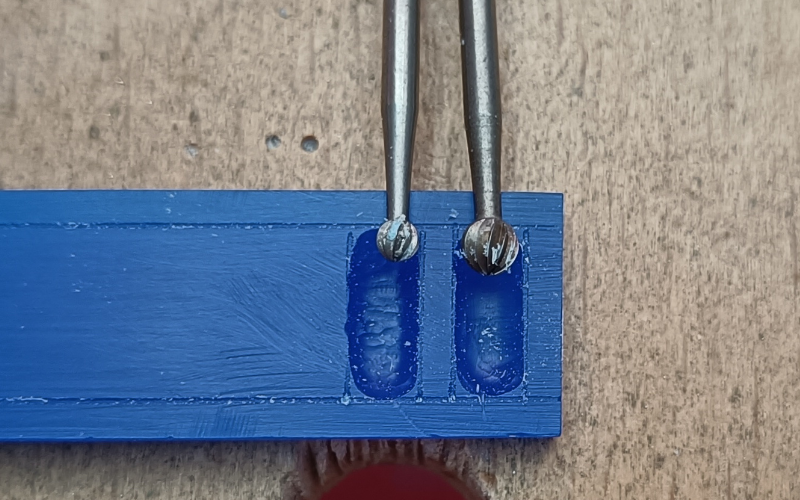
490,244
397,239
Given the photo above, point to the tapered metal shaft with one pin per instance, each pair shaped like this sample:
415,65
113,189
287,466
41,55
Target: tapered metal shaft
399,98
482,111
490,245
397,239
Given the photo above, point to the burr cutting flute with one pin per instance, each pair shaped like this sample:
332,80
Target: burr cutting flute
490,244
397,238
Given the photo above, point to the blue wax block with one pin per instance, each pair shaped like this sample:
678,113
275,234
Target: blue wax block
130,315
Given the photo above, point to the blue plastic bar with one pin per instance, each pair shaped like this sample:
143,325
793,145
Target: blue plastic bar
151,315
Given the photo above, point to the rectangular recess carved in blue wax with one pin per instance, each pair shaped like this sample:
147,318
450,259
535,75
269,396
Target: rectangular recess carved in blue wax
489,328
131,315
382,320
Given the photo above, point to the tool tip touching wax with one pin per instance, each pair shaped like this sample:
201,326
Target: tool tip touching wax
398,239
490,245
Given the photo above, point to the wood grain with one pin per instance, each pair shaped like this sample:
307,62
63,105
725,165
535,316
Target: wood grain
672,128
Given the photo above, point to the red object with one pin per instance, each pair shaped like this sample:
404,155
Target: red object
393,482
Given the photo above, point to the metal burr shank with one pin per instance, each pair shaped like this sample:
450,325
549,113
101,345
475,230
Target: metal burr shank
490,244
397,238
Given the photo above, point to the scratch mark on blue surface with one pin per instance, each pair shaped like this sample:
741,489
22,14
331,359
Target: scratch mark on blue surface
408,419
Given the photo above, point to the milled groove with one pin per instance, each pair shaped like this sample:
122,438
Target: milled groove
215,225
526,269
489,328
451,387
264,400
382,320
421,302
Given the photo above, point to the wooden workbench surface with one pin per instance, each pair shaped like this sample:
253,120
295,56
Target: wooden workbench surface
673,129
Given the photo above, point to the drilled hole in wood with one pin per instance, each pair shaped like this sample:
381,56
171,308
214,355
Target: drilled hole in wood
191,150
273,142
309,144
